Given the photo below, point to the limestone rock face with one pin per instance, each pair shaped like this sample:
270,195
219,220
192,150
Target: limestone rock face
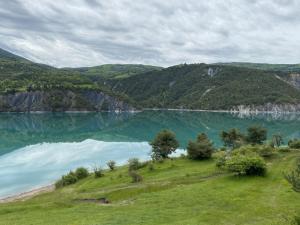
61,100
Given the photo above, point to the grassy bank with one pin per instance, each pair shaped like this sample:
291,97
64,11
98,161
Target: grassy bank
178,191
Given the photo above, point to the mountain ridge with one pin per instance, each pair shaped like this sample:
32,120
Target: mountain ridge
184,86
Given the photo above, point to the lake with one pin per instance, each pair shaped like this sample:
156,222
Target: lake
37,148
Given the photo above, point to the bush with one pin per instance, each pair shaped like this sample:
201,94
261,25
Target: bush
295,143
81,173
98,172
164,144
256,135
111,165
134,164
65,180
201,149
265,151
135,177
246,165
220,157
293,177
262,150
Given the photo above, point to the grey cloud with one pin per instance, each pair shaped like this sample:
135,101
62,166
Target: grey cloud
93,32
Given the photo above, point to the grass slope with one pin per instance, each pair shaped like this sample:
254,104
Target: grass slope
177,192
201,86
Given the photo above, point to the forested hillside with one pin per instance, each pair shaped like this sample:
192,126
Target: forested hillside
201,86
195,86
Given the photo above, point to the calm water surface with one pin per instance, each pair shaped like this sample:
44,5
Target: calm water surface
36,149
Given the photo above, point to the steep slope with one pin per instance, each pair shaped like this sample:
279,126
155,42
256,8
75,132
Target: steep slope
215,87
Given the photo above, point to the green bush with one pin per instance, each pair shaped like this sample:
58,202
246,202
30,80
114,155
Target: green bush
262,150
265,151
220,158
111,165
201,149
246,165
134,164
65,180
293,177
295,143
164,144
135,176
98,172
81,173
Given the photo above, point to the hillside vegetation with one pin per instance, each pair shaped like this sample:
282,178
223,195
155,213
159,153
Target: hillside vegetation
195,86
265,66
201,86
178,191
115,71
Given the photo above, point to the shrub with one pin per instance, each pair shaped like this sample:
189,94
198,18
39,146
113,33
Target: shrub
265,151
164,144
134,164
65,180
246,165
81,173
261,150
220,157
201,149
98,172
256,135
295,143
293,177
135,176
111,165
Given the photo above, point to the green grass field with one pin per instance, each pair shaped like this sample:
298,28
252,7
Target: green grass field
176,192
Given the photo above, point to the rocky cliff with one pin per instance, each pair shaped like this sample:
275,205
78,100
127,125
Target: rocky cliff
269,107
61,100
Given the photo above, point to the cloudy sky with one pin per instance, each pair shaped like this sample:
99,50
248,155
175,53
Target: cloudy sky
93,32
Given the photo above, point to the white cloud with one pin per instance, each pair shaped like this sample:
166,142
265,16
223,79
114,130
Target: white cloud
93,32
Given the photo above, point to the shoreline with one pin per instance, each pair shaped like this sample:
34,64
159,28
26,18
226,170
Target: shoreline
250,112
28,194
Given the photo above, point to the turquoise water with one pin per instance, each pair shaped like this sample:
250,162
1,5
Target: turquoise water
36,149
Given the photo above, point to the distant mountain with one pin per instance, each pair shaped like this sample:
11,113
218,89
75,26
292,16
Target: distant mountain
5,55
267,67
25,86
115,71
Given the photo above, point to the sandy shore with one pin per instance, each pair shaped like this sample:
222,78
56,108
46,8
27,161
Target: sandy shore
27,195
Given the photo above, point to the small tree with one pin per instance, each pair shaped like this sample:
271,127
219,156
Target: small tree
98,172
164,144
111,165
277,140
256,135
232,139
294,177
201,149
